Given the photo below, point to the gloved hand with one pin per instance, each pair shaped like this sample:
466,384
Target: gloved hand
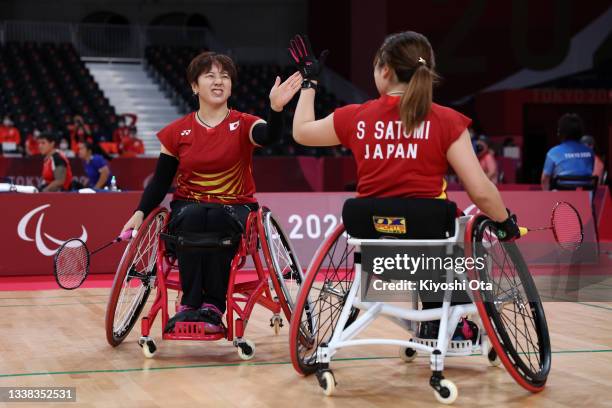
508,230
301,52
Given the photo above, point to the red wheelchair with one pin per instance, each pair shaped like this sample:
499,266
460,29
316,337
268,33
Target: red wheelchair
148,264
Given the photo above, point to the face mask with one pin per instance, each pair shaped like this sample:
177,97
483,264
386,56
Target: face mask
6,122
64,144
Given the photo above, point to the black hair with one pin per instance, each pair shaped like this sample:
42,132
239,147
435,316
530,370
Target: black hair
570,127
48,136
88,146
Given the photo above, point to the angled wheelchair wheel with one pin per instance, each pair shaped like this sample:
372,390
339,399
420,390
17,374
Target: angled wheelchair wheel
512,312
134,279
282,259
326,286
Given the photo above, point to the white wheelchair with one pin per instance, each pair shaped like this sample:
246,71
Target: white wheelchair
512,327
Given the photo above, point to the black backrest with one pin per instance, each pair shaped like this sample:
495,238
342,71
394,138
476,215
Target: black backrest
574,183
400,218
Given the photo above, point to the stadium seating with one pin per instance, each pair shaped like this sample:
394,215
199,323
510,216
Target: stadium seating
45,85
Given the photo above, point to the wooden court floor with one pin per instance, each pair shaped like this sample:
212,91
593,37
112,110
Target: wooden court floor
56,338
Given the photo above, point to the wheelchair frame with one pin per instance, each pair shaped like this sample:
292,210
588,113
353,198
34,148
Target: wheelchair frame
347,327
242,297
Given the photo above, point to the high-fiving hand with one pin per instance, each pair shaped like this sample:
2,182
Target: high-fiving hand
281,93
301,52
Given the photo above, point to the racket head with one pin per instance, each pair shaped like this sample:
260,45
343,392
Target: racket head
71,264
567,226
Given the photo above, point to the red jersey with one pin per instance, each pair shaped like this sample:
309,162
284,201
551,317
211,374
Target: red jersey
131,146
9,134
391,163
215,164
50,163
120,133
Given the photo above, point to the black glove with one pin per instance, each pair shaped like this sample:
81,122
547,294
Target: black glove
301,52
508,230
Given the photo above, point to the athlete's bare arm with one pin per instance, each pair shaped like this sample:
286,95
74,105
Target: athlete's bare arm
59,174
482,191
310,132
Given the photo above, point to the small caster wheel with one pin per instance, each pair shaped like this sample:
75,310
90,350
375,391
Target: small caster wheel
148,347
407,354
246,349
276,322
447,394
493,358
327,382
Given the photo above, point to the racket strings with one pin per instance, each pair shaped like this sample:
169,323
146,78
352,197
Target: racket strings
72,264
567,227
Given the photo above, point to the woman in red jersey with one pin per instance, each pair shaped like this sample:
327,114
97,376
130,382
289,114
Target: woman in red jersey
210,152
402,141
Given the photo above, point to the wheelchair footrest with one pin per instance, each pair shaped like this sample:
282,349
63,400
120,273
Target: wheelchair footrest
192,331
463,347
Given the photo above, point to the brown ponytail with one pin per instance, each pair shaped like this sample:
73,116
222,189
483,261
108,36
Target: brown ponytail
410,56
416,100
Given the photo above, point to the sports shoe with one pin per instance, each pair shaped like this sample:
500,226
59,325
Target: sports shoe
184,314
211,316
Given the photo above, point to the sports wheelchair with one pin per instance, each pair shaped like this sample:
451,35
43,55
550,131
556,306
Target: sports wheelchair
512,327
147,263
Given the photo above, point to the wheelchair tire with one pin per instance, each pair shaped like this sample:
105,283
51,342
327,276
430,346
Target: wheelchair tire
517,329
281,258
132,284
316,314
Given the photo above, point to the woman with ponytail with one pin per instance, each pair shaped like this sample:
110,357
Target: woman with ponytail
402,141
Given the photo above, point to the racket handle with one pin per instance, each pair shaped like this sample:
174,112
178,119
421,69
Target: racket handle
127,235
523,231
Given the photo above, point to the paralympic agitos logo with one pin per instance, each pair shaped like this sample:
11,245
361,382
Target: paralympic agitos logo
39,236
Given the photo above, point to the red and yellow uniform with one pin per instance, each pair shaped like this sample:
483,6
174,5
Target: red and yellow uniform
391,163
49,165
215,164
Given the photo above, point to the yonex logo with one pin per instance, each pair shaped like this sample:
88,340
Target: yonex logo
185,132
234,125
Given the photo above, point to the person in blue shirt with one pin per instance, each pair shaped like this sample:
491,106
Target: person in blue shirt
570,158
96,167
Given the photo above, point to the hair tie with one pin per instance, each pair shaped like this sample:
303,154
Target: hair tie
422,61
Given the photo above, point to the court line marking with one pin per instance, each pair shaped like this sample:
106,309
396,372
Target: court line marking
242,364
54,297
57,304
592,305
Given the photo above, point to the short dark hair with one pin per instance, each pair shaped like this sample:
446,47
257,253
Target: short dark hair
570,127
48,136
204,62
88,146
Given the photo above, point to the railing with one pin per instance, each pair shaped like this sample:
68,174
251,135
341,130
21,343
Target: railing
106,40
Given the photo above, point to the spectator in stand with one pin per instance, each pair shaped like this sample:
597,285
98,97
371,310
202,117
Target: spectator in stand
56,172
598,165
130,120
486,158
9,133
31,144
131,146
96,168
570,158
79,132
121,131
